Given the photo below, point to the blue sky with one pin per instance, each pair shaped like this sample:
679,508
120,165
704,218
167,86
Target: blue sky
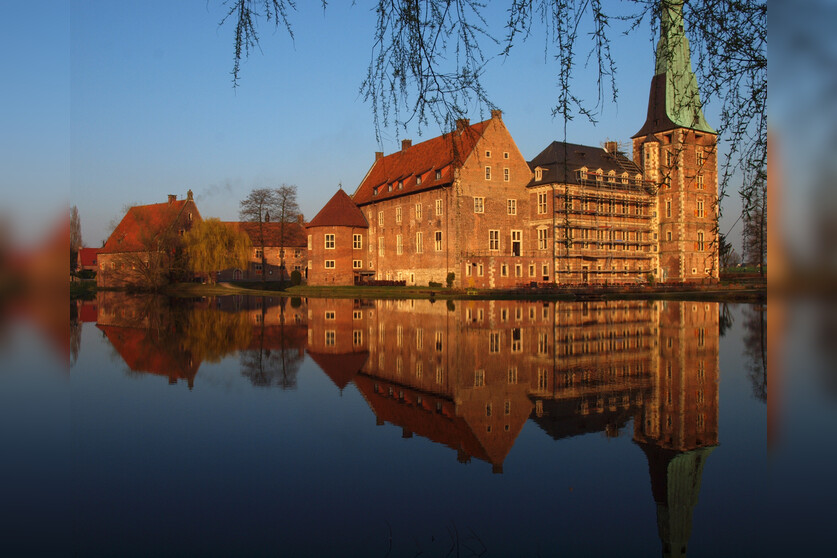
118,103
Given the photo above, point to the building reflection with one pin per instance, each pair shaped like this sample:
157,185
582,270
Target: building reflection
468,374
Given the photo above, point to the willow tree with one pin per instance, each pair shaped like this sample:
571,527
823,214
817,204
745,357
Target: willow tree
429,57
212,246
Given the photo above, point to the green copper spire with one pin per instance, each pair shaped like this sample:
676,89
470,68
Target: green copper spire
683,106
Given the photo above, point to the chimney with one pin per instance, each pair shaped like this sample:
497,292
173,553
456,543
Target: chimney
301,220
406,144
189,196
462,123
379,155
497,114
611,147
172,198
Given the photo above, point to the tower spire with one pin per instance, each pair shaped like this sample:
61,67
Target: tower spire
674,101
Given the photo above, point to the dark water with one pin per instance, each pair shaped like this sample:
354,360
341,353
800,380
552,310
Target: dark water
238,426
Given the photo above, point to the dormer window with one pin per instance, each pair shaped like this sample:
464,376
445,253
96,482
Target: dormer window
389,187
400,184
375,191
538,174
624,178
583,173
418,181
438,174
611,176
598,175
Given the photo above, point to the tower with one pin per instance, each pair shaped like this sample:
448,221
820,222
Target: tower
676,148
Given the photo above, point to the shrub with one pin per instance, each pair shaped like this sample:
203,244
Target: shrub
296,277
296,302
434,285
451,306
450,279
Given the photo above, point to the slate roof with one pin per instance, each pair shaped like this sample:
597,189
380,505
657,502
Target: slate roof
421,160
295,236
553,158
143,222
340,211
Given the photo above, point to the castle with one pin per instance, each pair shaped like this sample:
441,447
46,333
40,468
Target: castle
467,207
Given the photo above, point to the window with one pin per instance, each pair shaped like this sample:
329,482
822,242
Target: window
494,342
511,207
329,242
545,271
700,156
700,242
531,270
700,183
668,236
329,338
668,208
541,203
438,341
480,272
468,272
258,268
701,212
419,247
357,315
512,376
598,175
479,378
488,173
357,337
543,383
399,246
438,207
518,270
438,241
330,315
310,264
357,241
542,239
418,212
611,176
538,174
375,191
488,154
438,175
381,218
400,184
357,264
583,173
504,270
479,205
516,340
505,175
329,264
494,240
398,214
259,253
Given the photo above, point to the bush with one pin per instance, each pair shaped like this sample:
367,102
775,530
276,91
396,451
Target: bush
296,302
296,277
450,279
451,306
434,285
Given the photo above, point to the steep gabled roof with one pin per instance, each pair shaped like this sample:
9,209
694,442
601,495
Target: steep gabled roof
340,368
443,153
340,211
561,161
295,236
144,222
87,256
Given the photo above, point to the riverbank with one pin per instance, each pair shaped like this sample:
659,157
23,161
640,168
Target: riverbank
733,292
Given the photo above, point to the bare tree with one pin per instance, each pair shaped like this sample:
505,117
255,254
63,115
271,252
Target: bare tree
755,223
75,237
256,208
288,213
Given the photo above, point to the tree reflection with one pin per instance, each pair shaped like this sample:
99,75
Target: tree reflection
725,320
755,348
274,355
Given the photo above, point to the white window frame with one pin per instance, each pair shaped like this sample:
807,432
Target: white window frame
488,172
438,238
418,212
357,241
494,240
439,206
329,241
398,214
479,205
419,243
542,203
327,266
511,206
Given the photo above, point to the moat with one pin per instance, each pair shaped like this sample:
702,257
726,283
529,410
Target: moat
309,427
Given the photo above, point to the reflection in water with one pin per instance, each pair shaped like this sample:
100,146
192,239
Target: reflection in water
469,374
755,348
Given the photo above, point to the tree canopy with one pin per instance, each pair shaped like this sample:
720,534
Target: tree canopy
212,246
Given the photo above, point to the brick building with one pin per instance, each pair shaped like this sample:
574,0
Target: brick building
337,244
277,250
467,203
142,247
451,204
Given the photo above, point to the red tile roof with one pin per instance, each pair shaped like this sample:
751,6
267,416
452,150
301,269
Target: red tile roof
87,256
295,236
143,222
340,368
340,211
421,160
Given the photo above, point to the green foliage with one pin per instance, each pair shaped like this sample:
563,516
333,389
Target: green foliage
296,277
212,246
434,284
296,302
450,279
